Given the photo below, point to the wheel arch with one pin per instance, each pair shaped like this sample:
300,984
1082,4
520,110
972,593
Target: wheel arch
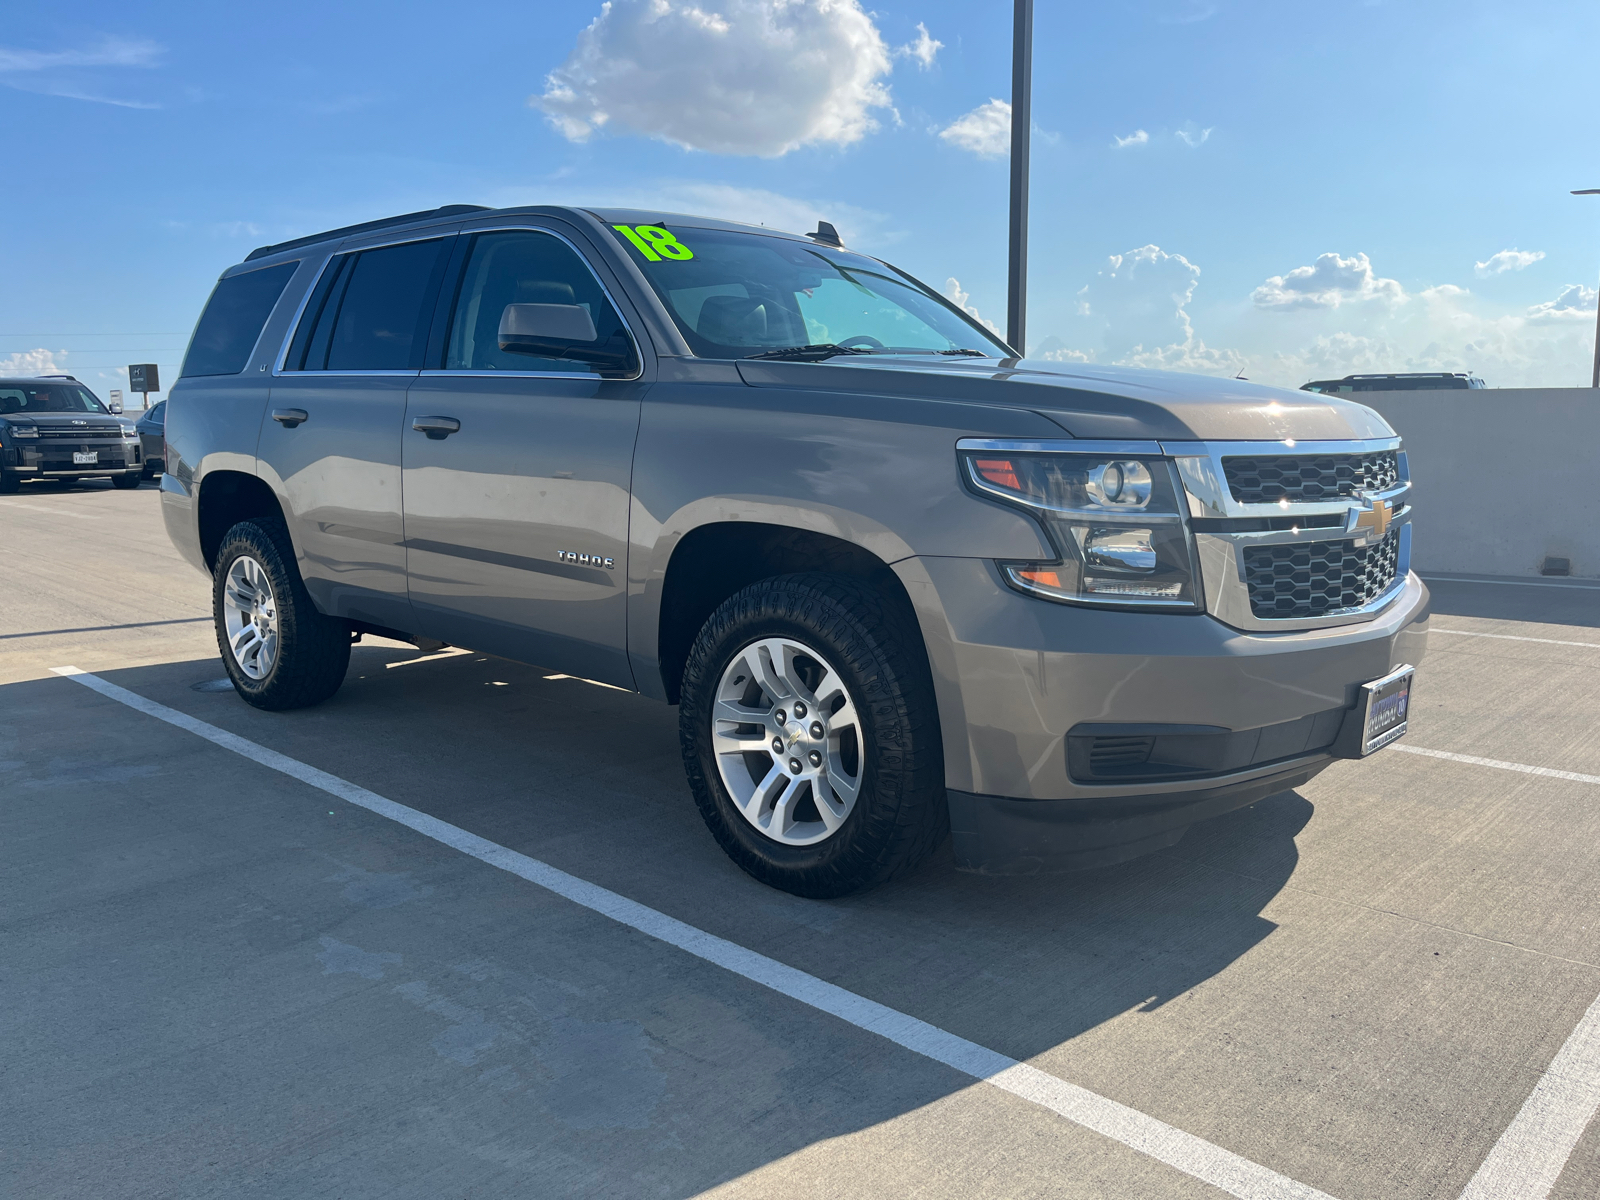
713,561
224,499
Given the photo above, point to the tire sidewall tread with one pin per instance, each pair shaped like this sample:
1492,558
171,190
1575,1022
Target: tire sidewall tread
313,649
901,814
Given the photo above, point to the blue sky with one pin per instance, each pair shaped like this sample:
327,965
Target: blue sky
1301,190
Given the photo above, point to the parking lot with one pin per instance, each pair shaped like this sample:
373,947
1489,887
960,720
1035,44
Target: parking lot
222,976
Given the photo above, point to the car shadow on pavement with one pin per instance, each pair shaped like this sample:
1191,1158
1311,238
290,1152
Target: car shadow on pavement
549,1043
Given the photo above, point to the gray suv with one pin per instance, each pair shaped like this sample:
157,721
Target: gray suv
901,583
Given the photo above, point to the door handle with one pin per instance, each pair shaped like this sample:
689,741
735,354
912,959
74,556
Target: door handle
290,417
437,428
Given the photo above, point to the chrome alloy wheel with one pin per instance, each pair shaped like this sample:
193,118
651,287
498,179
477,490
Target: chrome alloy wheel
788,742
250,615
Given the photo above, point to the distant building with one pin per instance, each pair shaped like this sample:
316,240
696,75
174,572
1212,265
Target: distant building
1415,381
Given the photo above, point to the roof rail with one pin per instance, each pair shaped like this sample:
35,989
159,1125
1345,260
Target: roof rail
447,210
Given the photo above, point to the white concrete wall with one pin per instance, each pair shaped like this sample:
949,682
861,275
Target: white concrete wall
1503,477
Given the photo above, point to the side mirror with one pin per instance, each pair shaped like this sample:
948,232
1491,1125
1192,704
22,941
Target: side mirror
116,409
561,331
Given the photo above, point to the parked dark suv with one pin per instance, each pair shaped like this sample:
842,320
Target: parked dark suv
152,439
55,428
898,581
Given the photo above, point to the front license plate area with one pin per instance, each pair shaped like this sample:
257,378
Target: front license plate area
85,458
1384,707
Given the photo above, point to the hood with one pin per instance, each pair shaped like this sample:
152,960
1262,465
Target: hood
1091,401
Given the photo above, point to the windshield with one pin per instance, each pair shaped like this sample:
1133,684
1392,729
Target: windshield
48,397
736,294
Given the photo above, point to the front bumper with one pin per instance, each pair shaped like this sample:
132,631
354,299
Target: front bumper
52,458
1015,676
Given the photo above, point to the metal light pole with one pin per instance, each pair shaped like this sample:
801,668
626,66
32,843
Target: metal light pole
1021,127
1595,383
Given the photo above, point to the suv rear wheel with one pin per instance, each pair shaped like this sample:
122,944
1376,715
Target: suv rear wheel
278,649
811,738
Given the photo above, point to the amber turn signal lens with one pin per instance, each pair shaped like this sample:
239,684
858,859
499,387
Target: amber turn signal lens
999,472
1049,579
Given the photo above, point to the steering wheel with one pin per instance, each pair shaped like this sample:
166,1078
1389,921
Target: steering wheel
864,340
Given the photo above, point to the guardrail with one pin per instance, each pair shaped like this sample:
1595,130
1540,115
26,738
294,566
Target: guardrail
1505,477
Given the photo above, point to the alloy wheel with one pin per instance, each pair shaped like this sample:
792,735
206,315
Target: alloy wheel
250,616
788,741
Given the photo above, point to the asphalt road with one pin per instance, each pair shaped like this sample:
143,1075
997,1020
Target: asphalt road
221,980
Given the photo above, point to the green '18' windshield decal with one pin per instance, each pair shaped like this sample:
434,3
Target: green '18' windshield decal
655,243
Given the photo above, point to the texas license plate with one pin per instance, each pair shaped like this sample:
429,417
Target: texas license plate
1384,706
85,458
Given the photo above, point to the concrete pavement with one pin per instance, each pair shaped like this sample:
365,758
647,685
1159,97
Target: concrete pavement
222,981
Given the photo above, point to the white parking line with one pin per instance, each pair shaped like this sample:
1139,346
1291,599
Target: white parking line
1511,637
1533,1151
1473,760
1193,1156
1550,583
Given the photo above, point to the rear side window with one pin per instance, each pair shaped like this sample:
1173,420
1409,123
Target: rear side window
233,320
371,311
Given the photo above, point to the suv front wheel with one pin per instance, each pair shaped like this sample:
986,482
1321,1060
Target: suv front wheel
278,649
811,737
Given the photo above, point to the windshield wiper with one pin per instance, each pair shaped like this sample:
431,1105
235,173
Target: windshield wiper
815,352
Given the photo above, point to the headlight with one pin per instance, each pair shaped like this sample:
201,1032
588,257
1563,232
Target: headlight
129,432
24,431
1115,520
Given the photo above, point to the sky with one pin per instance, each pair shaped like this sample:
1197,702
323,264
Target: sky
1283,191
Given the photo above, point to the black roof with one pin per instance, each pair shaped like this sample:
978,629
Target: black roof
447,210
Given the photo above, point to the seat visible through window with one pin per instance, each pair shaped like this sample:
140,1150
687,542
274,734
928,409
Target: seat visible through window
522,267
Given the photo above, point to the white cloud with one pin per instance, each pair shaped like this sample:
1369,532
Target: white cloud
1328,283
40,71
1137,138
1137,312
1192,137
963,301
759,77
109,52
922,49
1508,260
986,130
1140,303
33,362
1575,302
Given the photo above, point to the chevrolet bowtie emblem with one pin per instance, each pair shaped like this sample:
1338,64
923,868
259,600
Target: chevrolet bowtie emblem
1372,521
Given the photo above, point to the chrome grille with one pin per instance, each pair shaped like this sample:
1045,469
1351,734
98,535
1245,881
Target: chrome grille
1312,579
1309,478
80,431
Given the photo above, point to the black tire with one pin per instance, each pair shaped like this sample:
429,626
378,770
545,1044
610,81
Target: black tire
900,814
127,481
313,651
10,485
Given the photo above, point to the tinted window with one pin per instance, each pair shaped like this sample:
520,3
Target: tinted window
233,319
48,398
522,267
733,294
371,311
